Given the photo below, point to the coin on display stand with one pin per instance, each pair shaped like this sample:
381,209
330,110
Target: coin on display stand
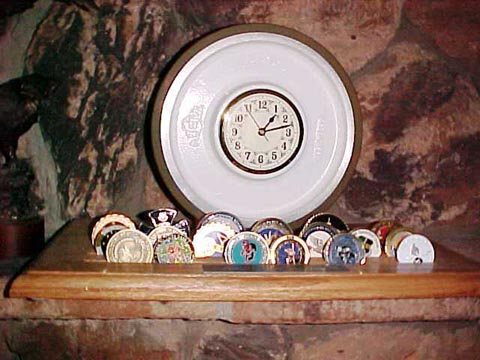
162,216
393,239
415,249
344,249
289,250
382,228
370,242
222,217
247,248
271,229
210,239
174,249
184,226
129,246
106,227
316,235
328,219
157,234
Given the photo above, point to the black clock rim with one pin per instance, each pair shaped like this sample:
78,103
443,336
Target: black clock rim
167,180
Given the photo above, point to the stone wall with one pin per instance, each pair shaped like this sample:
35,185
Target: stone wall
178,339
414,64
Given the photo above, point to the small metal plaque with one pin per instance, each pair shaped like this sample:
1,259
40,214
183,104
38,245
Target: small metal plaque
274,268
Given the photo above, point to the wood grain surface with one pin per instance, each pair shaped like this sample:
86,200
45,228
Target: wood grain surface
69,269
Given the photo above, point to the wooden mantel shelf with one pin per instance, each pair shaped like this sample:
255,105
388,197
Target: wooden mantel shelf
69,269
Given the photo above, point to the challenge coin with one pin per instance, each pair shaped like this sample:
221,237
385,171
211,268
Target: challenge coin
162,216
174,249
210,239
289,250
247,248
316,235
156,234
415,249
370,242
328,219
382,228
271,229
105,227
393,239
343,249
129,246
222,217
184,226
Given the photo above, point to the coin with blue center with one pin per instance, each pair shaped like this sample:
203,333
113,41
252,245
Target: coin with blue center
271,229
343,249
247,248
289,250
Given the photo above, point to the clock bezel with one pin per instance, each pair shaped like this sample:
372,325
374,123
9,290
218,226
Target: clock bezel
238,99
159,166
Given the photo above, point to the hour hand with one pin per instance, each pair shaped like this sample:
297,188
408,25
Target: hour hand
272,118
263,130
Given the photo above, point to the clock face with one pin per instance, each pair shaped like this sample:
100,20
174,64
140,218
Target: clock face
261,131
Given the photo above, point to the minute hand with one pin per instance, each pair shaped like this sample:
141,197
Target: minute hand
278,128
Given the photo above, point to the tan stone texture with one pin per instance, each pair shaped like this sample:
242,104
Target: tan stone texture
354,31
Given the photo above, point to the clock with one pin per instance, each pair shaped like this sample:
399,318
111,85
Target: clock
261,131
256,120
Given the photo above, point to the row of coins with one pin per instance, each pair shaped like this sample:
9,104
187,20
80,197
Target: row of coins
403,243
158,238
272,241
324,236
221,234
329,237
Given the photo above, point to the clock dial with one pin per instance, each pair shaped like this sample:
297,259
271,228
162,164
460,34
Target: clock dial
261,131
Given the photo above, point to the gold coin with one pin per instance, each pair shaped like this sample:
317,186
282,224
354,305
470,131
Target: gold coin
108,219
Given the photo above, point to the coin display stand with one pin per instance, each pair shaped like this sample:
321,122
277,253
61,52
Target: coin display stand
70,269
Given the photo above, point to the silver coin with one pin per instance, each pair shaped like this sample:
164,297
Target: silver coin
370,242
415,249
129,246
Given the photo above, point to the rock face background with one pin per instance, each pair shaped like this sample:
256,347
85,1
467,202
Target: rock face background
414,65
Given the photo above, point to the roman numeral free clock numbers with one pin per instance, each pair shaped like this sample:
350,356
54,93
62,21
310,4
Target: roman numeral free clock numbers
261,131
